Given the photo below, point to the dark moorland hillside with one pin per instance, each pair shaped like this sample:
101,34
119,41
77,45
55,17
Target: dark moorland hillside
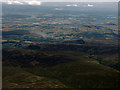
61,66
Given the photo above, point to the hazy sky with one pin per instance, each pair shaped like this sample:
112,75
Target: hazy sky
84,0
68,0
39,2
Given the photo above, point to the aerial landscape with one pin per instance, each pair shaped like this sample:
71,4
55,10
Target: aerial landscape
60,45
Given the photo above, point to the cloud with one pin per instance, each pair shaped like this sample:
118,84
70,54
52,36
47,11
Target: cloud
33,2
90,5
74,5
23,2
58,8
14,2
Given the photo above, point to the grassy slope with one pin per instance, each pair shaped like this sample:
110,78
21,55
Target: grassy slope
81,72
15,77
